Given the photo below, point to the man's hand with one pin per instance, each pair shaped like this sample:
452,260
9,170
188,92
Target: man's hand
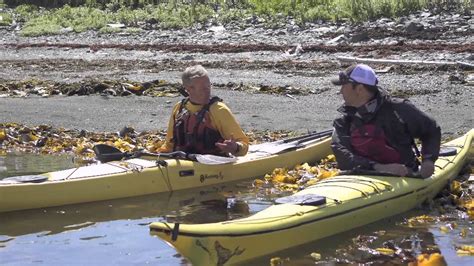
228,146
392,168
427,168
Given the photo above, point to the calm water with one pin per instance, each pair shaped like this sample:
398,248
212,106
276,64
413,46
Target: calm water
116,232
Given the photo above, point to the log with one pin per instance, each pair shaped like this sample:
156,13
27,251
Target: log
402,62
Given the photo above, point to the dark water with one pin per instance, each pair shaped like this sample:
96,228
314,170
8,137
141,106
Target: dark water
116,232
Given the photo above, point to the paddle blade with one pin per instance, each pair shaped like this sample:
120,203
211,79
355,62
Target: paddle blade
105,149
106,153
108,157
214,159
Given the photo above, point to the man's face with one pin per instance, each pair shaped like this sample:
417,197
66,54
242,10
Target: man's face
199,90
350,95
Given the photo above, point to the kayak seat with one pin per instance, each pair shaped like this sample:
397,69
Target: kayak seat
305,199
26,179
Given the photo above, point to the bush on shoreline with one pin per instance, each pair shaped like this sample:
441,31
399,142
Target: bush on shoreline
83,15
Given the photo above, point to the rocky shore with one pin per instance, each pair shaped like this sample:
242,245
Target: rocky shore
272,78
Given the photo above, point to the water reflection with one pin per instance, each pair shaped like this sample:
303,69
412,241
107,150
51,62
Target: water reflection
192,206
359,246
29,164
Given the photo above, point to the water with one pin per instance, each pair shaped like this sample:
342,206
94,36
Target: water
115,232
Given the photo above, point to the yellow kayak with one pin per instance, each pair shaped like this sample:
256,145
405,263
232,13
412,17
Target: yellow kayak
329,207
138,176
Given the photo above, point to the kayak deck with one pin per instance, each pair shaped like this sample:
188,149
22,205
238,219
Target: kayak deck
349,201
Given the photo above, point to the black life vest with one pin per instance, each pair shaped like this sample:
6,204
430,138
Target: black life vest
194,133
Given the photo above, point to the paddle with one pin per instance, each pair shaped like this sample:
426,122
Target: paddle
279,146
106,153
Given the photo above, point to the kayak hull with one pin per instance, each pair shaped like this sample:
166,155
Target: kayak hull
351,201
136,177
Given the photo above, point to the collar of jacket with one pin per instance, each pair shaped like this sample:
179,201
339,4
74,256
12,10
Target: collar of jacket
367,111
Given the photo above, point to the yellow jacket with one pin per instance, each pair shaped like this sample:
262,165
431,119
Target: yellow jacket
222,120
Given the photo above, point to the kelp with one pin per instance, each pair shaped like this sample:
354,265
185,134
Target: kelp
45,139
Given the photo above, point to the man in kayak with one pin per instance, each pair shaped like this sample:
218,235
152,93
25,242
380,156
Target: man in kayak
203,124
376,132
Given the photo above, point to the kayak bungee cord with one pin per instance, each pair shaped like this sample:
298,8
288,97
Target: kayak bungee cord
336,202
358,181
160,164
365,194
67,177
281,217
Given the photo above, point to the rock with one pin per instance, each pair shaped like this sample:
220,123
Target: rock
294,51
110,91
425,14
126,131
116,25
360,37
217,29
279,33
188,57
414,27
25,137
341,29
324,30
152,21
456,78
66,30
125,92
338,39
469,80
19,93
292,28
41,142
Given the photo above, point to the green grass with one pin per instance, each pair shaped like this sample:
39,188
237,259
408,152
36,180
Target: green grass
5,19
175,14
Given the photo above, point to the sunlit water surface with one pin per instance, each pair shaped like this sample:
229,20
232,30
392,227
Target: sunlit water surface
115,232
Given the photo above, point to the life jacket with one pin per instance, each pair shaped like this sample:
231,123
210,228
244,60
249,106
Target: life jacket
369,141
194,133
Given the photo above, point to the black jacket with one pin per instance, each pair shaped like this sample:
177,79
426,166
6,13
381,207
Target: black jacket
401,122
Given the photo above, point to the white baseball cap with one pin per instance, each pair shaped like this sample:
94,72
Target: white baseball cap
359,73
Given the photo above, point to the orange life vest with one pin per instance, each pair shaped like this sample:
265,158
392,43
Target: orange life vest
194,133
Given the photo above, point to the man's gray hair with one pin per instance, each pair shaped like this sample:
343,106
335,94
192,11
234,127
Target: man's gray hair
192,72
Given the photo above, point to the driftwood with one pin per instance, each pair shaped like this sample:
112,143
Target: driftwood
403,62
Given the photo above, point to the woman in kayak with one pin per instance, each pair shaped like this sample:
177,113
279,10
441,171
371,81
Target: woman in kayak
203,124
377,132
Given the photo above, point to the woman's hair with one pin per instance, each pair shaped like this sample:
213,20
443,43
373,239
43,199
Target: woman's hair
192,72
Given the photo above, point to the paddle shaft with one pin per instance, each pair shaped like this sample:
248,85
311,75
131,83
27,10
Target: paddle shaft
311,136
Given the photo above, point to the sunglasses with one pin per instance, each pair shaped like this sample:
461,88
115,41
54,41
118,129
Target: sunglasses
344,78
